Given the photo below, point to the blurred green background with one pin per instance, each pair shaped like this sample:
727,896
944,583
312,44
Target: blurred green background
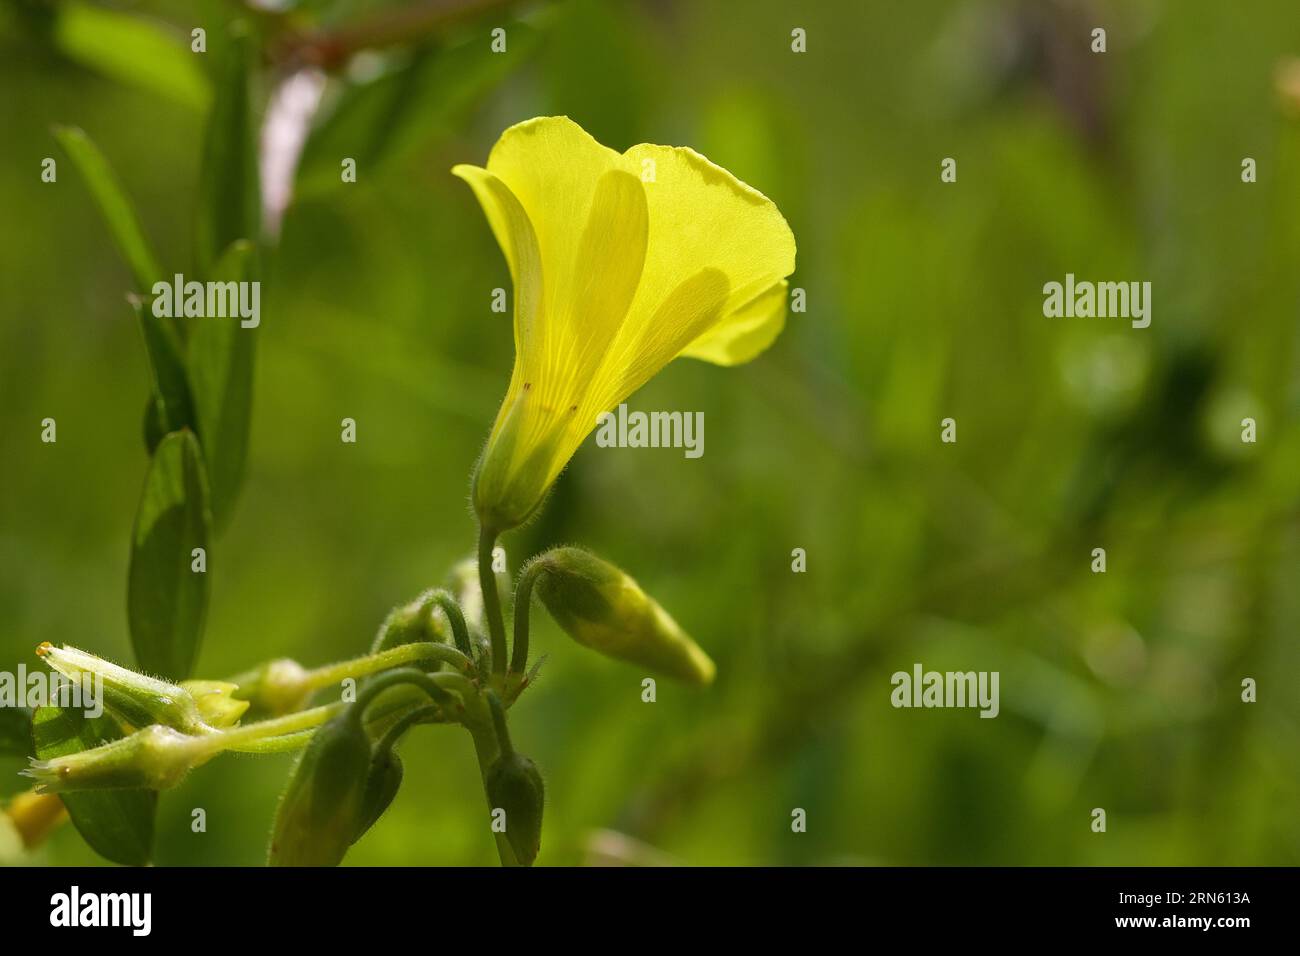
1119,691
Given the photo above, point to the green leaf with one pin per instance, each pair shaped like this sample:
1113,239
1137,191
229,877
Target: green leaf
133,50
166,600
171,393
229,196
387,118
15,731
113,205
221,375
118,824
173,404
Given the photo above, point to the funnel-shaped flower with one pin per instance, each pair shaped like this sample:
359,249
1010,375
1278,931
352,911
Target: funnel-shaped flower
621,263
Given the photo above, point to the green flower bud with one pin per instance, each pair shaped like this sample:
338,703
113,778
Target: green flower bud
277,687
137,699
412,623
515,786
434,617
216,703
602,608
318,815
154,758
382,784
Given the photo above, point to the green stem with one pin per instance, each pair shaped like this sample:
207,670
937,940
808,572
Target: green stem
499,725
299,739
459,630
460,684
407,675
402,725
523,611
487,580
242,738
394,657
275,745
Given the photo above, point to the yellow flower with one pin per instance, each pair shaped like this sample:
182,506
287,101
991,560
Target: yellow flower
620,263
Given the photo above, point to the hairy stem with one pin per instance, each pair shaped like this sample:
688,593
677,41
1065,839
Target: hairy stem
523,606
394,657
487,580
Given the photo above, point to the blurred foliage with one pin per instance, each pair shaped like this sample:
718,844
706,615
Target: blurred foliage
1118,691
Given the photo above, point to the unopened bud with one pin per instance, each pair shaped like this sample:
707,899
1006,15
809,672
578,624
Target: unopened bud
216,703
382,783
603,608
320,811
154,758
34,816
277,687
515,786
136,698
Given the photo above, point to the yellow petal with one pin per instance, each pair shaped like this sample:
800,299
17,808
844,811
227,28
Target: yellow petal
552,166
746,332
701,216
644,348
606,275
517,239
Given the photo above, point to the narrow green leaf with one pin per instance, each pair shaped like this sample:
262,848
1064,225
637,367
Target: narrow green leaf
118,824
173,404
132,50
113,205
171,394
15,731
229,195
221,374
152,427
166,600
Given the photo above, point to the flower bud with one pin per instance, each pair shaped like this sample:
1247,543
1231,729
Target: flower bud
277,687
603,608
154,758
137,699
515,786
34,816
216,703
319,813
382,784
